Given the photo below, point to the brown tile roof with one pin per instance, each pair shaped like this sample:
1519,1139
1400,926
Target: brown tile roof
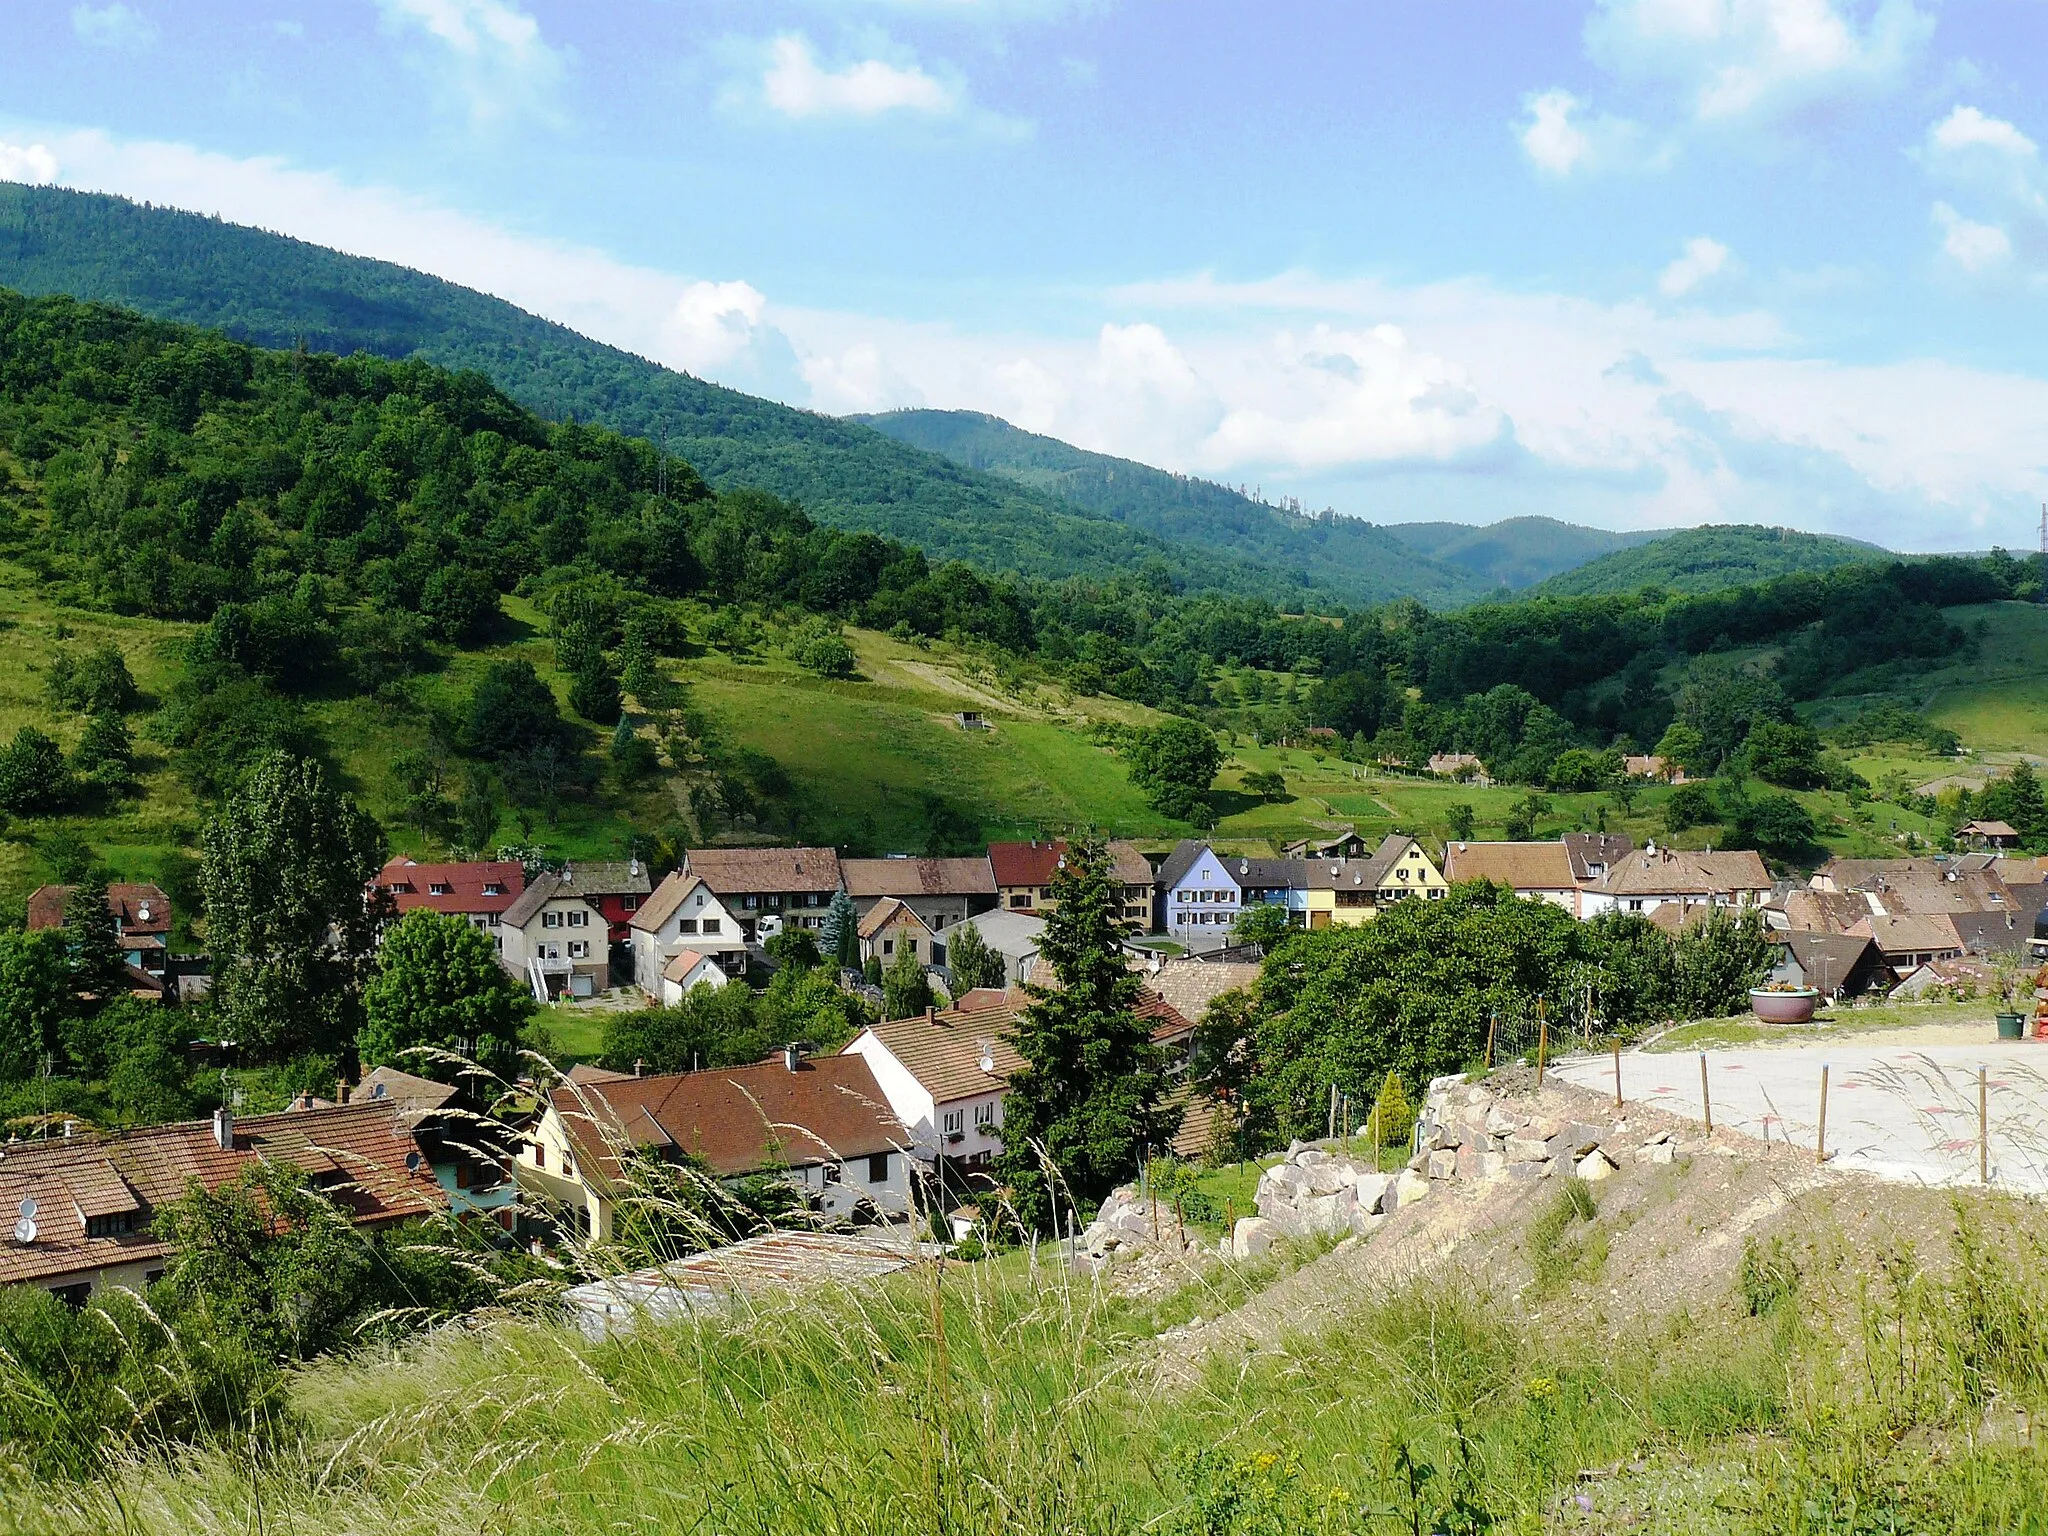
1520,866
944,1050
413,1095
1960,890
1681,872
765,871
355,1152
607,877
889,914
1823,911
1910,935
411,884
739,1120
1129,864
1587,849
546,886
1192,985
681,964
1015,864
658,908
126,900
917,877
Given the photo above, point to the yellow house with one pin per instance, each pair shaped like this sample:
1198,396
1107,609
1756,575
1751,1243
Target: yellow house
1343,892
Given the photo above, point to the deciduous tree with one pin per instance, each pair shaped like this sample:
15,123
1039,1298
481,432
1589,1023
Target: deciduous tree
438,984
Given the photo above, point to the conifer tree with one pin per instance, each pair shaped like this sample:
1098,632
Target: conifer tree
1080,1114
841,933
94,940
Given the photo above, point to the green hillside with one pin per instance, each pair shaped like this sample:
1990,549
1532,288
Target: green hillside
1709,559
281,292
1515,552
1353,559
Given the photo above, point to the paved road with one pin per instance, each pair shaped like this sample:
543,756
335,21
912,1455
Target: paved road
1900,1112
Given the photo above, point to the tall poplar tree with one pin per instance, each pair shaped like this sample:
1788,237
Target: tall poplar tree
1081,1113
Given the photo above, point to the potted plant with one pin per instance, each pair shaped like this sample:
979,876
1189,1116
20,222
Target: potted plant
1780,1002
2011,978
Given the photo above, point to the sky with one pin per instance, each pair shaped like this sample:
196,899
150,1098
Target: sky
1635,263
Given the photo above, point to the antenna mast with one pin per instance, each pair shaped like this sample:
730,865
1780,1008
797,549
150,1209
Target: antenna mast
2044,528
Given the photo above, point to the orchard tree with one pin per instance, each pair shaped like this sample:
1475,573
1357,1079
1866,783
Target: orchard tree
970,961
1088,1102
1175,764
438,984
1263,923
284,868
34,779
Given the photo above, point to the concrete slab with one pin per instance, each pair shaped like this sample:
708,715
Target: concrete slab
1903,1112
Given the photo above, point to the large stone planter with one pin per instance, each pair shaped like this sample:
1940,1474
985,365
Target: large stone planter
1784,1007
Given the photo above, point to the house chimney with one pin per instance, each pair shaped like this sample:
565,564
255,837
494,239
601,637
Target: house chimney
931,1014
224,1128
639,1066
793,1055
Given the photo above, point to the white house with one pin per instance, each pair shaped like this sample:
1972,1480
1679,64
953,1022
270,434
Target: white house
944,1074
686,971
683,914
556,940
1202,895
1644,880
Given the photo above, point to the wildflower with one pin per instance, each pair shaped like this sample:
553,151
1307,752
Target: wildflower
1540,1389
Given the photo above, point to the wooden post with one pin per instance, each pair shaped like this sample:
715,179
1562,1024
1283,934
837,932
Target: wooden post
1820,1145
1542,1042
1983,1126
1706,1099
1492,1028
1332,1131
1617,1074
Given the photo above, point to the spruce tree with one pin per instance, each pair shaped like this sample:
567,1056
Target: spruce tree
1081,1113
94,940
841,933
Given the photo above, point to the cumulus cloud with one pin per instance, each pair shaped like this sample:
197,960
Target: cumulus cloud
1976,248
1967,128
1702,260
1991,165
112,26
1560,135
32,163
1732,59
488,53
797,85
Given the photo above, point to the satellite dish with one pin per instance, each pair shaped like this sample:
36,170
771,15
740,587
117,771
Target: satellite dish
29,1208
24,1231
412,1162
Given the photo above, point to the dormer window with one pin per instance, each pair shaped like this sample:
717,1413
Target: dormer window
494,887
437,888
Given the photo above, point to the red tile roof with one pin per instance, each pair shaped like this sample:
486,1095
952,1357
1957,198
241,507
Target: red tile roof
412,884
356,1154
739,1120
1031,863
127,901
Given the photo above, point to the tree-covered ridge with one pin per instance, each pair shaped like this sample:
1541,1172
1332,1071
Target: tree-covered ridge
1345,558
1516,552
279,292
1710,559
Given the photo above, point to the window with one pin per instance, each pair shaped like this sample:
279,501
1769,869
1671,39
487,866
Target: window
73,1296
551,919
952,1124
699,901
686,925
711,925
551,951
750,902
540,1155
888,946
1020,898
631,903
579,917
579,949
437,887
832,1173
494,888
1635,906
984,1115
151,1276
878,1168
110,1225
1400,874
775,903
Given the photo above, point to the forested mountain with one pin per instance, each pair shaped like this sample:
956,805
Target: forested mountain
280,292
1353,558
1709,559
1515,552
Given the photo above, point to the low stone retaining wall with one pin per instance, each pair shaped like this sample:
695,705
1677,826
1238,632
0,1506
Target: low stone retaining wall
1467,1132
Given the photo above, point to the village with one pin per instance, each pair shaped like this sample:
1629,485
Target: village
903,1125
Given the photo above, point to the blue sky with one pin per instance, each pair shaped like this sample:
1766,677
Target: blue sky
1629,262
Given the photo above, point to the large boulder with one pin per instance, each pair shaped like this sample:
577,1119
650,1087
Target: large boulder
1252,1236
1372,1191
1411,1186
1528,1149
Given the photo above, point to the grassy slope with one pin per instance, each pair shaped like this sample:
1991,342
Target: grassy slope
1354,559
1515,552
1708,559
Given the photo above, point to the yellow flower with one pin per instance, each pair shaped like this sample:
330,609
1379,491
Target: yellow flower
1264,1460
1540,1388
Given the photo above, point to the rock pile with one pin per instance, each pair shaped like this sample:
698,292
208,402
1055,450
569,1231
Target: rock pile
1128,1222
1467,1132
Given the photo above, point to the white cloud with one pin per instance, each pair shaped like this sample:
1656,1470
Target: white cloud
112,26
491,54
1561,136
1733,59
1702,259
1550,138
796,85
1976,248
32,163
715,322
1967,128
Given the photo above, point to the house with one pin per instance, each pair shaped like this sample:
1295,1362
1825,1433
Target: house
1140,882
1834,964
940,891
1993,933
1653,767
1811,911
1011,935
685,971
892,927
1929,887
615,887
480,891
1957,976
1201,896
469,1153
1641,881
1989,834
943,1073
822,1123
142,923
683,915
1272,882
1190,986
554,938
1535,871
1459,765
1594,853
1910,941
1023,873
1347,844
795,885
85,1203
